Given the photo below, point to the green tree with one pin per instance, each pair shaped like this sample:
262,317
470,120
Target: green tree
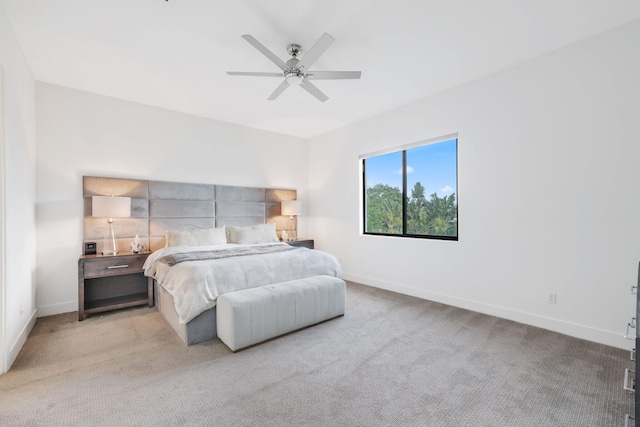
442,214
384,209
417,211
436,216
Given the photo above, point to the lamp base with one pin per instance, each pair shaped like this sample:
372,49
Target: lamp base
292,230
109,245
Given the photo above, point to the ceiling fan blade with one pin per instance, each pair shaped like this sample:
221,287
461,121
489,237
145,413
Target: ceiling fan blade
330,75
313,90
249,73
266,52
316,50
276,93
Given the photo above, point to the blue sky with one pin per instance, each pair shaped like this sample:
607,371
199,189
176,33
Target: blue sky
433,165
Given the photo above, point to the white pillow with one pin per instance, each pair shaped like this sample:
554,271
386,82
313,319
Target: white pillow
206,237
252,234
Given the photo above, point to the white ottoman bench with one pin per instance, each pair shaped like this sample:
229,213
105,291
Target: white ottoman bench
254,315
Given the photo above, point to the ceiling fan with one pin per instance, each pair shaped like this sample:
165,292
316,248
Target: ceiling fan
295,71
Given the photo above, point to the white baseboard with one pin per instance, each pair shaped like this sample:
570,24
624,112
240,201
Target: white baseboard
64,307
613,339
22,338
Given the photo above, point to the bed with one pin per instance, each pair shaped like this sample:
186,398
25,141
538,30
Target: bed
190,274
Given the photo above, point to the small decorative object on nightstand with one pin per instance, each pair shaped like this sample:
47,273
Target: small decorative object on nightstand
112,282
136,245
90,248
303,243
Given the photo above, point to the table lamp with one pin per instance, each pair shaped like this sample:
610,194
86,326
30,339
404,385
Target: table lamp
291,208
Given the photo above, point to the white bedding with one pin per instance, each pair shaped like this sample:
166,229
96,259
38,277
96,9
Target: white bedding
195,285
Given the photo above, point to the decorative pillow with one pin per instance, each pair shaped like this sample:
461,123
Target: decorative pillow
206,237
252,234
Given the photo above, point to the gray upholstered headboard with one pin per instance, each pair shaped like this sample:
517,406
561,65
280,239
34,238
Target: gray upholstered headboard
158,206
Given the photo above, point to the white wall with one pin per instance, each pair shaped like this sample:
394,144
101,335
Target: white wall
85,134
548,192
18,307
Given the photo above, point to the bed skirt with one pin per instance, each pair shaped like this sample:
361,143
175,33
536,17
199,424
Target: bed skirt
201,328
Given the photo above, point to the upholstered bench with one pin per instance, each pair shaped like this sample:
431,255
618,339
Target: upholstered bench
254,315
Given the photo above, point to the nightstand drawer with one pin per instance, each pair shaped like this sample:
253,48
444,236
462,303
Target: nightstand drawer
113,266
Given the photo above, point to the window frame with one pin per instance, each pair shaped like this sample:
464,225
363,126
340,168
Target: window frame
404,149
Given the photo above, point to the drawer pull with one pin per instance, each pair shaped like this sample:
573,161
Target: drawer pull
633,355
627,381
634,289
113,267
628,419
630,325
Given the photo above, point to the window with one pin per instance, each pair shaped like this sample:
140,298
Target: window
412,192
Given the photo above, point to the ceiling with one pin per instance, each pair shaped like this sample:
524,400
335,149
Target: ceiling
174,54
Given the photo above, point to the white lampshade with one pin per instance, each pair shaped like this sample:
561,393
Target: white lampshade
291,207
111,207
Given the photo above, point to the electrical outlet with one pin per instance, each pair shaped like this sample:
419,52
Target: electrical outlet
551,297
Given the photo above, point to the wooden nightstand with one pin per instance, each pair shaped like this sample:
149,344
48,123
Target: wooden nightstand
304,243
111,282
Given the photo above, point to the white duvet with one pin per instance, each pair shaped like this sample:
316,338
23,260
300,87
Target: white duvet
195,285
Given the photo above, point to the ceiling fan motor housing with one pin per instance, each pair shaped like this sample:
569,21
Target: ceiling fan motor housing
292,63
293,76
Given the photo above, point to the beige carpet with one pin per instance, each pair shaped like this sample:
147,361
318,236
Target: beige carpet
393,360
